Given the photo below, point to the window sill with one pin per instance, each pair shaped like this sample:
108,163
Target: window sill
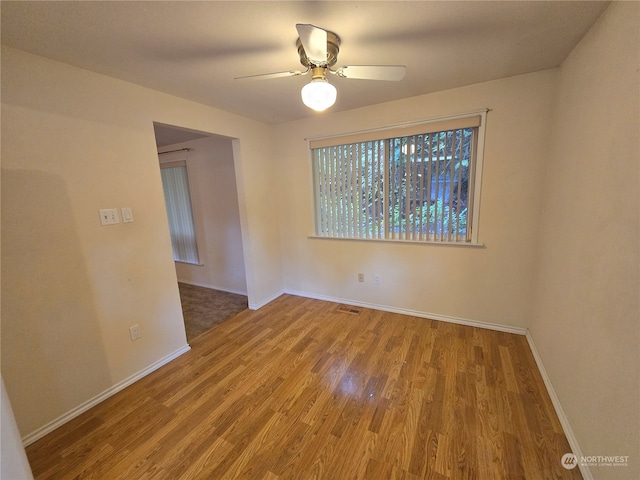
190,263
406,242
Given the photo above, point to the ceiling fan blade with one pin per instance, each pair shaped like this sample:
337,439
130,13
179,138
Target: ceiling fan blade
391,73
266,76
314,42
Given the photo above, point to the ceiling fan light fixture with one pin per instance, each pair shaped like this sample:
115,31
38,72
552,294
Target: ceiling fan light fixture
318,51
319,94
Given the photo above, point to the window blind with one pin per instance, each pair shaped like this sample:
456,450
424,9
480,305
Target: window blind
177,196
411,183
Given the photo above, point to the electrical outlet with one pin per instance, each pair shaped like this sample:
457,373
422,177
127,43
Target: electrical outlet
134,332
377,279
361,277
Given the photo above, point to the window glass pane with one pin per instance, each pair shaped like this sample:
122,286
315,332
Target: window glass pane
178,203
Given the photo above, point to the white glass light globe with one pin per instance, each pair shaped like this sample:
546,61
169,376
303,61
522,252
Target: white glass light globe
319,95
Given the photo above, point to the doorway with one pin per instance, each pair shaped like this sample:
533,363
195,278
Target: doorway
213,284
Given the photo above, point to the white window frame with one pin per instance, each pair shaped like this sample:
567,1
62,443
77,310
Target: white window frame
405,130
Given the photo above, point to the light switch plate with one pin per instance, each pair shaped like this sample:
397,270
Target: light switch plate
134,332
109,216
127,216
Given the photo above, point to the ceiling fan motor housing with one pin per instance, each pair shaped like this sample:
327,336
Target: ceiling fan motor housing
333,47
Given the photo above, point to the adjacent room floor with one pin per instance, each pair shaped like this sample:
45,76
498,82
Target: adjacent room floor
303,390
204,307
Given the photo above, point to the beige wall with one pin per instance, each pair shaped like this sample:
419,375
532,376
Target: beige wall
491,284
587,317
214,199
74,142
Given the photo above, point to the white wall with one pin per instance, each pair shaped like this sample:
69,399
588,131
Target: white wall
214,199
492,284
74,142
13,459
586,325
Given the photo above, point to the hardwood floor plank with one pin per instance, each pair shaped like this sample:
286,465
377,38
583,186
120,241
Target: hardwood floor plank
240,438
270,476
513,457
410,427
288,448
299,390
443,464
214,453
257,458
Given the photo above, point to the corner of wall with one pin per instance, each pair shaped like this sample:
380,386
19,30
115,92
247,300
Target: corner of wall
586,310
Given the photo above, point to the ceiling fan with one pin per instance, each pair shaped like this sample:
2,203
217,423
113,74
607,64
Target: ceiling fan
318,50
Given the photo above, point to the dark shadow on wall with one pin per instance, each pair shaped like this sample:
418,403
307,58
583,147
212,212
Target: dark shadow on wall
52,352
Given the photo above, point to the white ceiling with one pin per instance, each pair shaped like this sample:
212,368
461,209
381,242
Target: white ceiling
195,49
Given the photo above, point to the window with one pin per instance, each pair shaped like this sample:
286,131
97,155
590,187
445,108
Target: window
417,183
177,199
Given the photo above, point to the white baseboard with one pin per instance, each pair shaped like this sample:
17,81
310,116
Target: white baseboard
257,306
413,313
214,287
83,407
571,438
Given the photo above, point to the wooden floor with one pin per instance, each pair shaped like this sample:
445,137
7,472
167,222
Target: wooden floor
298,390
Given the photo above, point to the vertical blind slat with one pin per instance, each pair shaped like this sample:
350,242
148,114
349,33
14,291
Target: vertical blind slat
438,209
338,193
392,189
459,150
358,174
406,194
422,175
368,154
429,227
327,190
379,200
372,187
450,182
417,209
386,193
